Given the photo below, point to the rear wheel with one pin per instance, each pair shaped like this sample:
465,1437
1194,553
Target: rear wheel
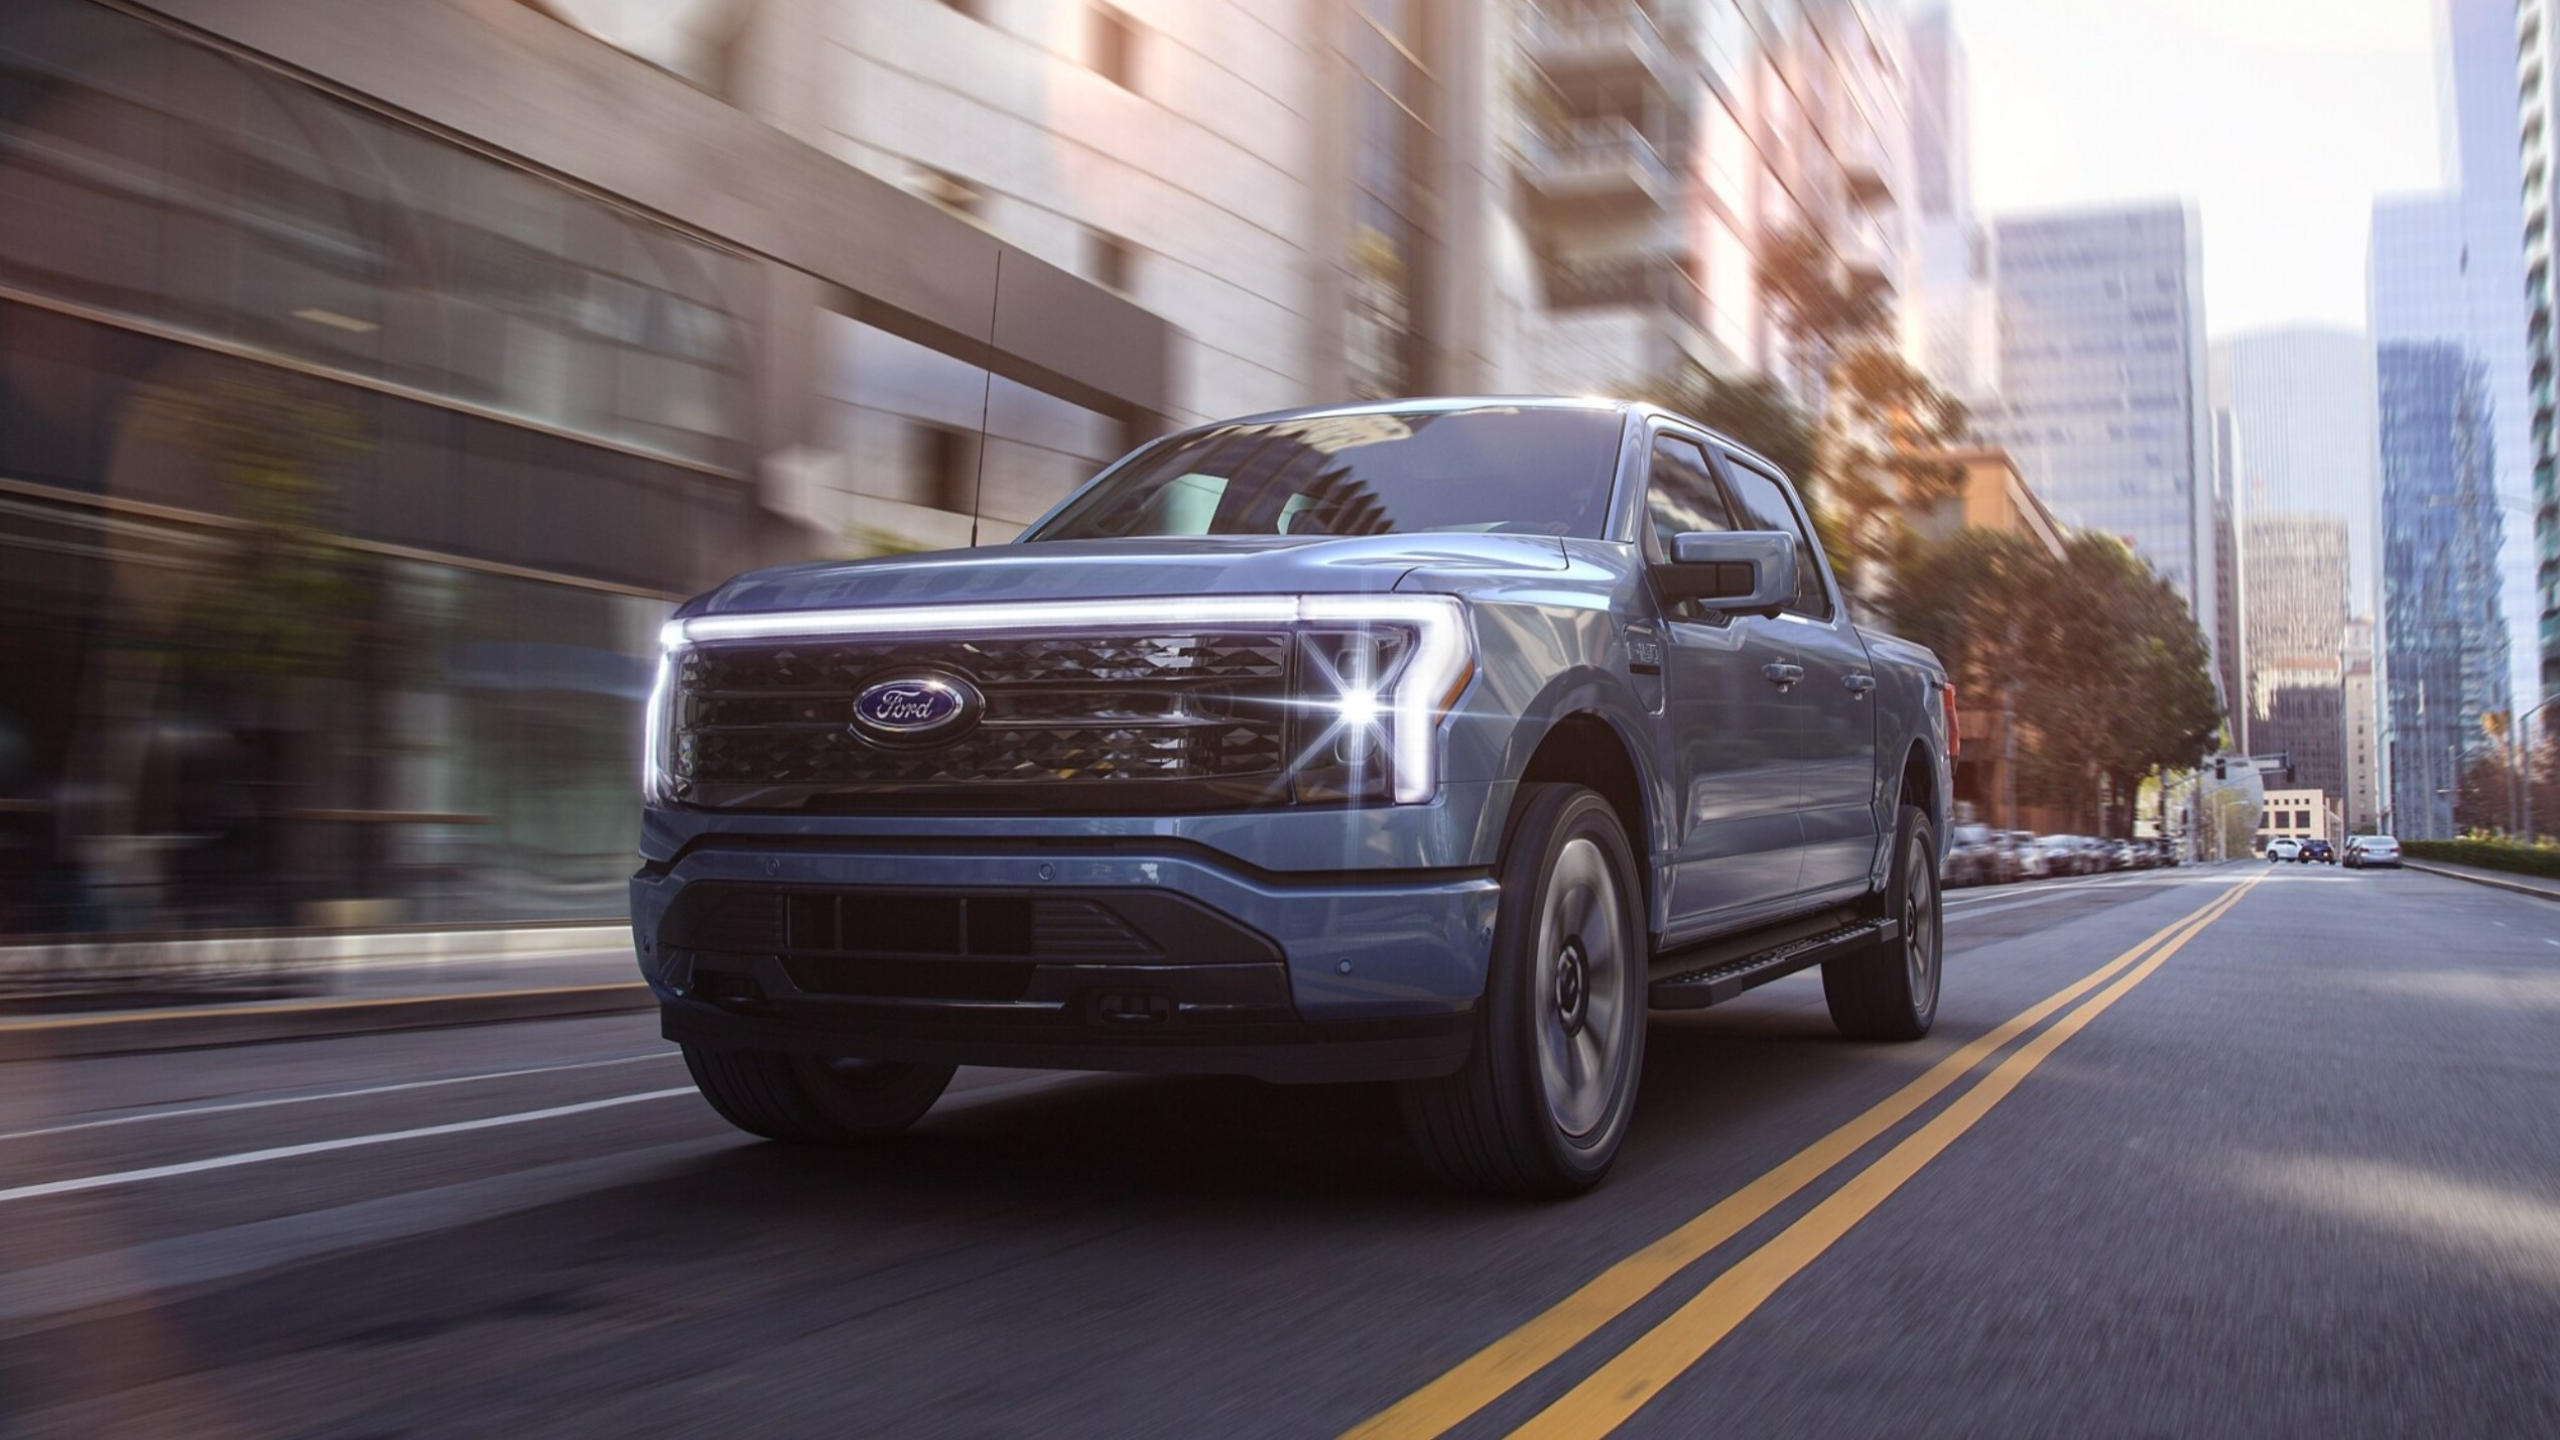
808,1100
1545,1096
1889,991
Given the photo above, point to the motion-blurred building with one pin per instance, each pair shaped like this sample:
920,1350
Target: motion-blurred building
372,381
1659,148
2102,381
2445,642
1949,316
2481,121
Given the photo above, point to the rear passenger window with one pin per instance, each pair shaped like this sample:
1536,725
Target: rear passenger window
1763,503
1682,496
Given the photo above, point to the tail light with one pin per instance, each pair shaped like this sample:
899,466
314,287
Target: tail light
1955,732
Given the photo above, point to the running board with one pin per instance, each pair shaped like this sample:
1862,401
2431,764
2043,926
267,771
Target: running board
1715,984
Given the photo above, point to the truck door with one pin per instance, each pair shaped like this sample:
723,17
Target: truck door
1736,784
1831,719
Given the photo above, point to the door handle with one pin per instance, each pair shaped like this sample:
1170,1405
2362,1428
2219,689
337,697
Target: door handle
1859,683
1782,674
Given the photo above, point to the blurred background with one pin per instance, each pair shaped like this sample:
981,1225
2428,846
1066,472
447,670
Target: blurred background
374,377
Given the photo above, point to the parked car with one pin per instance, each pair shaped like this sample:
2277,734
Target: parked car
2121,855
2286,848
1324,745
2367,852
2061,854
2023,859
2317,852
1973,856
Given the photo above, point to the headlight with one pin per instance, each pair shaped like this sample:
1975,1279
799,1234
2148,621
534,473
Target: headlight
657,759
1375,674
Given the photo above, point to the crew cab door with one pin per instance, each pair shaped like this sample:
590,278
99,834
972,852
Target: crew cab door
1737,784
1831,716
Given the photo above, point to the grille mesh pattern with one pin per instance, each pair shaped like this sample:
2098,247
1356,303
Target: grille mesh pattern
1195,706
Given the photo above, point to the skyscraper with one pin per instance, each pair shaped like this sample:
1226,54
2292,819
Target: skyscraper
2537,55
2293,414
2102,380
2445,638
1946,313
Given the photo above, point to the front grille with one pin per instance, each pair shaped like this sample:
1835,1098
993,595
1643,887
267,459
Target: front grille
975,945
770,724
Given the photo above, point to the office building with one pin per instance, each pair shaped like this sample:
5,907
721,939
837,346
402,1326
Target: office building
1658,149
1947,313
2480,125
2444,635
489,385
2362,701
2103,381
2296,618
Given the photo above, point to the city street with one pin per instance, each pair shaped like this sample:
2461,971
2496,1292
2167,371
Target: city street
2228,1150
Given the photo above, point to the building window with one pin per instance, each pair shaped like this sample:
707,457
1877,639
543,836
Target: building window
951,467
1111,261
1111,45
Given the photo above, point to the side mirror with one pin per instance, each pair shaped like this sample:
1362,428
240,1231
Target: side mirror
1743,570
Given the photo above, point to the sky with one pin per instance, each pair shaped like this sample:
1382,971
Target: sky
2282,119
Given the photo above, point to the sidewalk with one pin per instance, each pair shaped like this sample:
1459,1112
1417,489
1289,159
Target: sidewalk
341,996
2503,880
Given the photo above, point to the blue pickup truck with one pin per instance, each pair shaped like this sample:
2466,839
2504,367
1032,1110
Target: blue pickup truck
1432,742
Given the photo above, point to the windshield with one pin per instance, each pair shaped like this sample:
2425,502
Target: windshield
1514,470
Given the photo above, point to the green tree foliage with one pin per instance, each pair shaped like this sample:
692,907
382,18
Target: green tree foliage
1874,447
2095,654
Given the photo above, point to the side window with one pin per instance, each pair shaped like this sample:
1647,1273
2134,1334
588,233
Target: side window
1763,503
1682,496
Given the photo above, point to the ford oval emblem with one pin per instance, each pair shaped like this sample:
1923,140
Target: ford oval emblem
916,709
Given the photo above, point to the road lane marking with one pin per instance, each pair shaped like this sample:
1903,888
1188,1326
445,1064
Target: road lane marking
231,1105
1491,1372
322,1147
1613,1393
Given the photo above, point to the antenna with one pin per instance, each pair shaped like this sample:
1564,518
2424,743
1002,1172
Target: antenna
986,400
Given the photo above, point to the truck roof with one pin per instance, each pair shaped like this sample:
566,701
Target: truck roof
1471,402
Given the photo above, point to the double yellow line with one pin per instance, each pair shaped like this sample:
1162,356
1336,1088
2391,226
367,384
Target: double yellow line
1636,1374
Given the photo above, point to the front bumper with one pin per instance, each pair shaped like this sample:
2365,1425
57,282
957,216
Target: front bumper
1131,957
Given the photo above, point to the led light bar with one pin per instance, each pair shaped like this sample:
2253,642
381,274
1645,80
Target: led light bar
1442,662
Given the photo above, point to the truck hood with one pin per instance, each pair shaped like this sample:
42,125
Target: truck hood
1170,568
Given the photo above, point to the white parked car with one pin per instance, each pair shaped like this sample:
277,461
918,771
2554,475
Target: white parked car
2371,852
2285,849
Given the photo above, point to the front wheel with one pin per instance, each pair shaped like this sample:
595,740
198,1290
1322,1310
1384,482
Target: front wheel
1545,1095
1889,991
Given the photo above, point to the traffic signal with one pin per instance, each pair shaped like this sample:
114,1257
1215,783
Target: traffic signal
2221,768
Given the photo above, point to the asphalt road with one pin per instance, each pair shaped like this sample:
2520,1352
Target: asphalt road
2245,1150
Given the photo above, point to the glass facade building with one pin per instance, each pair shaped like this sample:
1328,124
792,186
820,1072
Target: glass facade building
348,473
2445,642
2102,380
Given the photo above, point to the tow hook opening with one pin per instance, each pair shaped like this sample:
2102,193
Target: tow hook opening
1120,1010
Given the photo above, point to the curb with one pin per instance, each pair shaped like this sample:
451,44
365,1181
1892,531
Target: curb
2519,887
192,1027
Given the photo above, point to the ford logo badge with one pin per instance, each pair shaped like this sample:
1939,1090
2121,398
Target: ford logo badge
915,709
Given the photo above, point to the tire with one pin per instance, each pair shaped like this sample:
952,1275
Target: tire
1890,991
806,1100
1544,1099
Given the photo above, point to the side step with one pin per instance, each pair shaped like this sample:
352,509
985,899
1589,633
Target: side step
1715,984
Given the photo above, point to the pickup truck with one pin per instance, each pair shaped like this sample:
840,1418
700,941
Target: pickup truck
1428,742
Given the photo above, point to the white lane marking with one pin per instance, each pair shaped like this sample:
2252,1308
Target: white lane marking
2501,924
322,1147
230,1105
